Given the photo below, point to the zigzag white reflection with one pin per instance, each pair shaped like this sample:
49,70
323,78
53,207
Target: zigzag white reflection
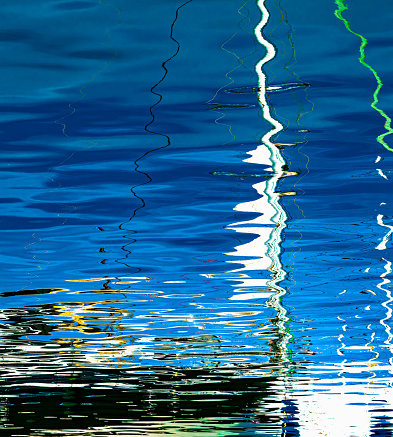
384,322
265,249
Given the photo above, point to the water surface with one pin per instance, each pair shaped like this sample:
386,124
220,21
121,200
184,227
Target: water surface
196,221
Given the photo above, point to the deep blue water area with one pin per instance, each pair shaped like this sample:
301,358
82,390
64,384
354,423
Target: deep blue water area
196,218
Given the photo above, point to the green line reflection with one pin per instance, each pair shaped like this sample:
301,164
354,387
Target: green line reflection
381,138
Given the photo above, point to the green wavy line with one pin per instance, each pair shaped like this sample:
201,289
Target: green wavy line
381,138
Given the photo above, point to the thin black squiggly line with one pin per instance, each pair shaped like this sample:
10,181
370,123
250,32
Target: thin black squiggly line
147,129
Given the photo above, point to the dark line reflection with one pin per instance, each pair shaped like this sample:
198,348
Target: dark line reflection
148,129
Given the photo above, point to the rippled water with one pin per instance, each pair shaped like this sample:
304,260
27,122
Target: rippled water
196,218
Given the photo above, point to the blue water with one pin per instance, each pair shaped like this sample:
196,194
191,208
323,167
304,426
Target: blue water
196,218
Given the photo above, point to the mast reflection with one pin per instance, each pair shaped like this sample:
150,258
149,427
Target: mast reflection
263,253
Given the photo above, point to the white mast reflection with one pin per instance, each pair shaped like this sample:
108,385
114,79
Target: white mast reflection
264,251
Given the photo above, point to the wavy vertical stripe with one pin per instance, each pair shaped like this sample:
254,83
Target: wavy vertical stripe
265,249
362,59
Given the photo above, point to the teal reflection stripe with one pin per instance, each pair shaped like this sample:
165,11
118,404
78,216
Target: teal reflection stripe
381,138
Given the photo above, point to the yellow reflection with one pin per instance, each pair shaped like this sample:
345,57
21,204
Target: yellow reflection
88,280
111,350
120,280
